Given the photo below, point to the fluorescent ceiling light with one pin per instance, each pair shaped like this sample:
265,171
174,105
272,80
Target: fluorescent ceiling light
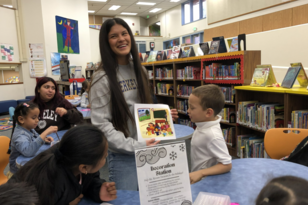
10,6
158,23
146,3
174,0
127,13
114,7
91,11
98,0
155,10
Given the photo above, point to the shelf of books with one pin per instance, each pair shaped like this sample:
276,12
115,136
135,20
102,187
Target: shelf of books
263,108
173,81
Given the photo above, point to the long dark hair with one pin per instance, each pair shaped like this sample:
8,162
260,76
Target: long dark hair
56,101
85,85
21,110
18,194
109,63
75,148
286,190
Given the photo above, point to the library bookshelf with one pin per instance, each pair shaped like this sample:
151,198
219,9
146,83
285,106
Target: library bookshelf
292,98
248,60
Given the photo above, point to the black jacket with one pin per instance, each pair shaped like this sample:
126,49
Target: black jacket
68,187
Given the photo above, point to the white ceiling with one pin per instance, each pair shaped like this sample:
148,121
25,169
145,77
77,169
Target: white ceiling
101,8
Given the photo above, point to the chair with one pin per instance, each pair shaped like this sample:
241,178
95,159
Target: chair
280,142
71,97
4,157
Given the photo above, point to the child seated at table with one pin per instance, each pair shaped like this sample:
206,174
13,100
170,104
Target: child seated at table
18,194
24,139
285,190
209,152
69,170
84,94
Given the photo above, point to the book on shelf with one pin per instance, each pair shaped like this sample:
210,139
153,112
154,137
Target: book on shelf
184,90
250,146
222,44
186,122
147,53
214,47
164,73
187,51
229,135
140,57
217,71
259,115
182,105
168,53
160,55
290,77
164,55
204,48
176,52
299,119
229,93
225,114
234,45
89,65
152,56
302,76
263,76
150,74
188,72
164,88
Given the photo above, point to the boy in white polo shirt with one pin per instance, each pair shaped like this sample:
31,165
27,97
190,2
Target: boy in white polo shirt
209,152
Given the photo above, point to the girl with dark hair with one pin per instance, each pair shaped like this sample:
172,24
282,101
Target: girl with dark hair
69,170
54,109
285,190
18,194
25,140
117,85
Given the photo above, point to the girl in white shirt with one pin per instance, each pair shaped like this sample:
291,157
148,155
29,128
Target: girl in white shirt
84,94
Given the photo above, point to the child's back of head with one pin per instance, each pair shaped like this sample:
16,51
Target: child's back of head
286,190
210,96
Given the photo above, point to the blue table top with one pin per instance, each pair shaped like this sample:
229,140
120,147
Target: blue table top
242,184
86,112
181,132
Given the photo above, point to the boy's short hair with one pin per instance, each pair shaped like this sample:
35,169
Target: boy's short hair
210,96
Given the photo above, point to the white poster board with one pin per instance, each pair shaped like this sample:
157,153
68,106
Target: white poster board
163,175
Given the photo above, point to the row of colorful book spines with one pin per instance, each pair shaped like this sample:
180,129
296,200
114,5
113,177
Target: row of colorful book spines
228,93
229,135
258,120
223,73
225,113
164,88
182,105
299,119
186,122
262,117
164,74
188,72
250,147
184,90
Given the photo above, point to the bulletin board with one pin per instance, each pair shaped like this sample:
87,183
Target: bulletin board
8,34
219,10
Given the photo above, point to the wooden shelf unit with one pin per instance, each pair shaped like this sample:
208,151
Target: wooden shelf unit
293,99
249,59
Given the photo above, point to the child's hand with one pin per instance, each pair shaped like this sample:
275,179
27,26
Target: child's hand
77,200
48,140
108,191
51,129
174,114
89,106
195,177
152,142
61,111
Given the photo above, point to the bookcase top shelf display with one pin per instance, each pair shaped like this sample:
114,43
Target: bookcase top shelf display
195,58
295,90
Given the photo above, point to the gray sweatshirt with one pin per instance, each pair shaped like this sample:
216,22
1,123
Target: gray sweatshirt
100,101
